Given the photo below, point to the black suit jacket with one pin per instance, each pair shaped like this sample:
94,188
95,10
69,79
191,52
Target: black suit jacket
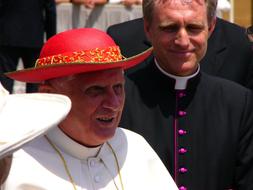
229,53
23,22
216,129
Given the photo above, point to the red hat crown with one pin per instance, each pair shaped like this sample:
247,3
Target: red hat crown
77,51
87,45
76,40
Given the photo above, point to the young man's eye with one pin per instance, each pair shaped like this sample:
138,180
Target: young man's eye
170,29
194,28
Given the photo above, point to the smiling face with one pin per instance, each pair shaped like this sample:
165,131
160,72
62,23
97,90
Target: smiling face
178,32
97,104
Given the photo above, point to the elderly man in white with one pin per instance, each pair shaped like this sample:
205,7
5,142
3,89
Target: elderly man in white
87,150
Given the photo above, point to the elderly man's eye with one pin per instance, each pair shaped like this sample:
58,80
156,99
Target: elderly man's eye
118,89
94,90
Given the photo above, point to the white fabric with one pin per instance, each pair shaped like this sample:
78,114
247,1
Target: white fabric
223,5
71,15
38,167
115,1
180,82
26,116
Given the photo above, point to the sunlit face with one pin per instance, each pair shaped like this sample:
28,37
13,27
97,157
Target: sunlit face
179,33
97,103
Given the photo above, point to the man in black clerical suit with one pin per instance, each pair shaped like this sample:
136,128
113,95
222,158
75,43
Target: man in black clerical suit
200,125
229,54
23,24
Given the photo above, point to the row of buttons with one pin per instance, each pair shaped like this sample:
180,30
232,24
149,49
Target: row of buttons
181,133
92,164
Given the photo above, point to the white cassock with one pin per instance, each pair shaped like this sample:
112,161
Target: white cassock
38,167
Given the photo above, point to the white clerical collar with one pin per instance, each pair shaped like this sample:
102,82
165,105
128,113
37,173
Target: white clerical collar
181,82
71,147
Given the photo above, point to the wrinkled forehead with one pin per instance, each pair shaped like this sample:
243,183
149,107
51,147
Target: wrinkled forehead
109,75
197,7
182,2
103,75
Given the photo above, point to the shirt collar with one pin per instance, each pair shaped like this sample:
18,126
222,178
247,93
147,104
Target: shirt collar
180,82
104,152
71,147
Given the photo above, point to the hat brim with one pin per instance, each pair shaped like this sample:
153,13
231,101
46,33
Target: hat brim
27,116
39,74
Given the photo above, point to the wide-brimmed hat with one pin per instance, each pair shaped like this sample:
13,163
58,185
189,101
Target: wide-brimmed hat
77,51
24,117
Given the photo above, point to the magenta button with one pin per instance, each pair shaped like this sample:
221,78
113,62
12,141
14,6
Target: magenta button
181,94
182,188
181,132
182,170
181,113
182,150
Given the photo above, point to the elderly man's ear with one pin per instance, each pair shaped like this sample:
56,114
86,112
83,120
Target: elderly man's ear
46,88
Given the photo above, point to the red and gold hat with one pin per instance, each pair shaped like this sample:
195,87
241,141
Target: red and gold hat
77,51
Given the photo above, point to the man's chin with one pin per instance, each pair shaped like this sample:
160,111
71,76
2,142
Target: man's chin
105,134
187,69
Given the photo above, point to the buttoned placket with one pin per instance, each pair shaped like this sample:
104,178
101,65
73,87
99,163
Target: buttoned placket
179,133
93,165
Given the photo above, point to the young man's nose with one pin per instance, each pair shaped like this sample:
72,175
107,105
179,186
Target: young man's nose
182,38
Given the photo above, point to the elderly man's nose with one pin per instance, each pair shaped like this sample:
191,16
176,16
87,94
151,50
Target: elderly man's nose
112,101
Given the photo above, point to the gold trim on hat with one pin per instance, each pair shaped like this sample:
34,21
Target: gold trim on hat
97,55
